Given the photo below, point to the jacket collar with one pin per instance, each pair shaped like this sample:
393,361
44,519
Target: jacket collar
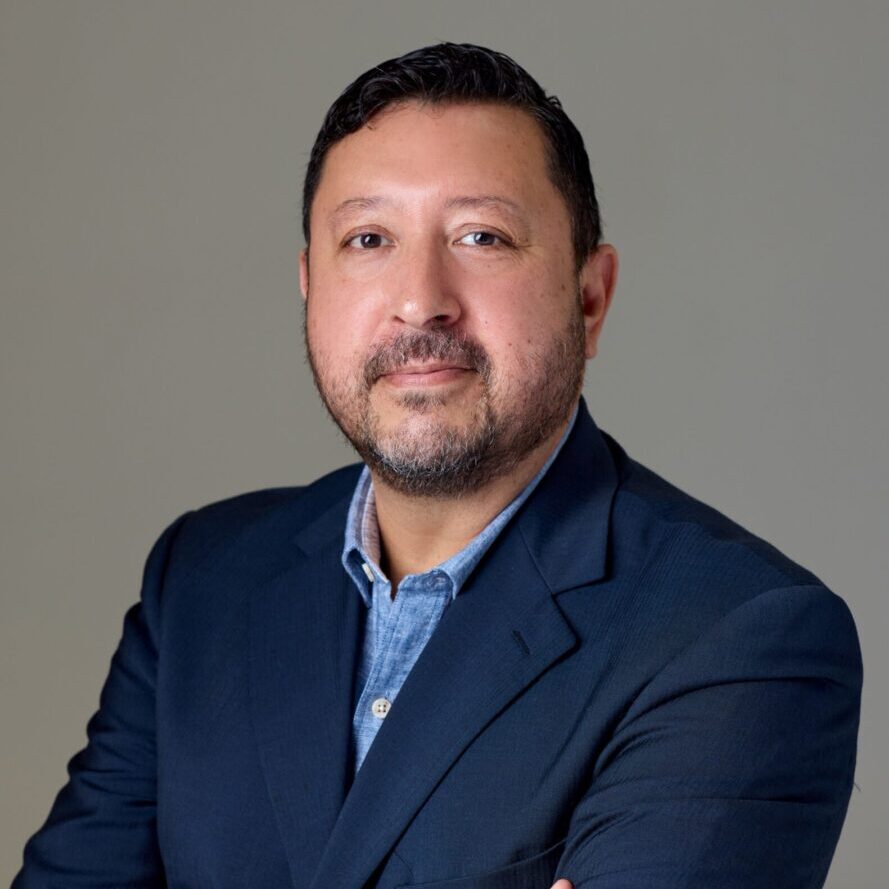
565,523
584,463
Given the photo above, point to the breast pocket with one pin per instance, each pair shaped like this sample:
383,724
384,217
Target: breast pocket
529,873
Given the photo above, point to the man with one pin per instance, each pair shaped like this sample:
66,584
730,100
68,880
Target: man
500,653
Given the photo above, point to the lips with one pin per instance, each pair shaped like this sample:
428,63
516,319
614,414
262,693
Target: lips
428,367
429,357
421,375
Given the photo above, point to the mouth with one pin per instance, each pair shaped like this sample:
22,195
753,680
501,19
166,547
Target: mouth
425,374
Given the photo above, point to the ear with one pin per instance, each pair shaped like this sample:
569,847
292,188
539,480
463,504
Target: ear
304,272
598,278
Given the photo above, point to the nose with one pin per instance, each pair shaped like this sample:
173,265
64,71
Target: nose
424,292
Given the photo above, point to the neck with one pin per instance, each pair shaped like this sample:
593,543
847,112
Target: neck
417,533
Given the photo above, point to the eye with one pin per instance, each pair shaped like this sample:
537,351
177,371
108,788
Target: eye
481,239
366,241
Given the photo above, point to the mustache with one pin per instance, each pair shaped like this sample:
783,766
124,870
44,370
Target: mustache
439,344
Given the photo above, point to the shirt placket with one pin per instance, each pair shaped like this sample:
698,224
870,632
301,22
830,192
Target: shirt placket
401,630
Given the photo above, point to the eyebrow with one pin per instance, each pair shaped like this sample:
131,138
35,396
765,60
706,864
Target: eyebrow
463,202
362,203
484,202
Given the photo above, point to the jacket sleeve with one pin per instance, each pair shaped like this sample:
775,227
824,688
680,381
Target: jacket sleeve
734,766
101,831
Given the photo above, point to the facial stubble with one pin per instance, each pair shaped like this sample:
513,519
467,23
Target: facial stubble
446,460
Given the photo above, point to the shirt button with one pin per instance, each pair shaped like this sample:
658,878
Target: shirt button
380,707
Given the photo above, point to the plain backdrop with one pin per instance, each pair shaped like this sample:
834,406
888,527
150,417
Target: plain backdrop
151,353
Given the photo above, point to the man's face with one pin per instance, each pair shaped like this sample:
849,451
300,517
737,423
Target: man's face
446,325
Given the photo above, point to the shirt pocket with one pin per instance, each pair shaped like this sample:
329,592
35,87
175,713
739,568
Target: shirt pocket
529,873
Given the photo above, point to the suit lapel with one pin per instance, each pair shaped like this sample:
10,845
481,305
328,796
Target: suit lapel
498,635
305,636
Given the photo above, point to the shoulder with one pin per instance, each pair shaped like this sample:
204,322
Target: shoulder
684,578
680,533
303,500
688,566
256,522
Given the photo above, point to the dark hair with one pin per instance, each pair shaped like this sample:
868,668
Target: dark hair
457,72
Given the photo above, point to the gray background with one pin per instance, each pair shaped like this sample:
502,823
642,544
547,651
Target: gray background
151,157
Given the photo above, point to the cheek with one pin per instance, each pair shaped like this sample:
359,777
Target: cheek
339,349
517,322
342,310
509,347
331,314
325,344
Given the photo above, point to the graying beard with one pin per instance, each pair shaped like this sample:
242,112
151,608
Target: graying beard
456,469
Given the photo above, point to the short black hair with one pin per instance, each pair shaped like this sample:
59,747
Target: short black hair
463,72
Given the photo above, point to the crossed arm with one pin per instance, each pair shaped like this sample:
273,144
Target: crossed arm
733,768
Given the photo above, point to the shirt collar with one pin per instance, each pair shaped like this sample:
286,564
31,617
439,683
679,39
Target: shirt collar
362,548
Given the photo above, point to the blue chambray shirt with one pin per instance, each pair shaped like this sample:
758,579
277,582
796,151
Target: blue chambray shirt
397,631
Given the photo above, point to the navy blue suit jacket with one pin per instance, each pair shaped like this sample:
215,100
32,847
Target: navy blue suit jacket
631,691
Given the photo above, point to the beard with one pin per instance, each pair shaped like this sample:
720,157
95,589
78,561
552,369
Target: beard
443,459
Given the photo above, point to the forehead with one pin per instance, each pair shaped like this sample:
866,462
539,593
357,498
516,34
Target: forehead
414,151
